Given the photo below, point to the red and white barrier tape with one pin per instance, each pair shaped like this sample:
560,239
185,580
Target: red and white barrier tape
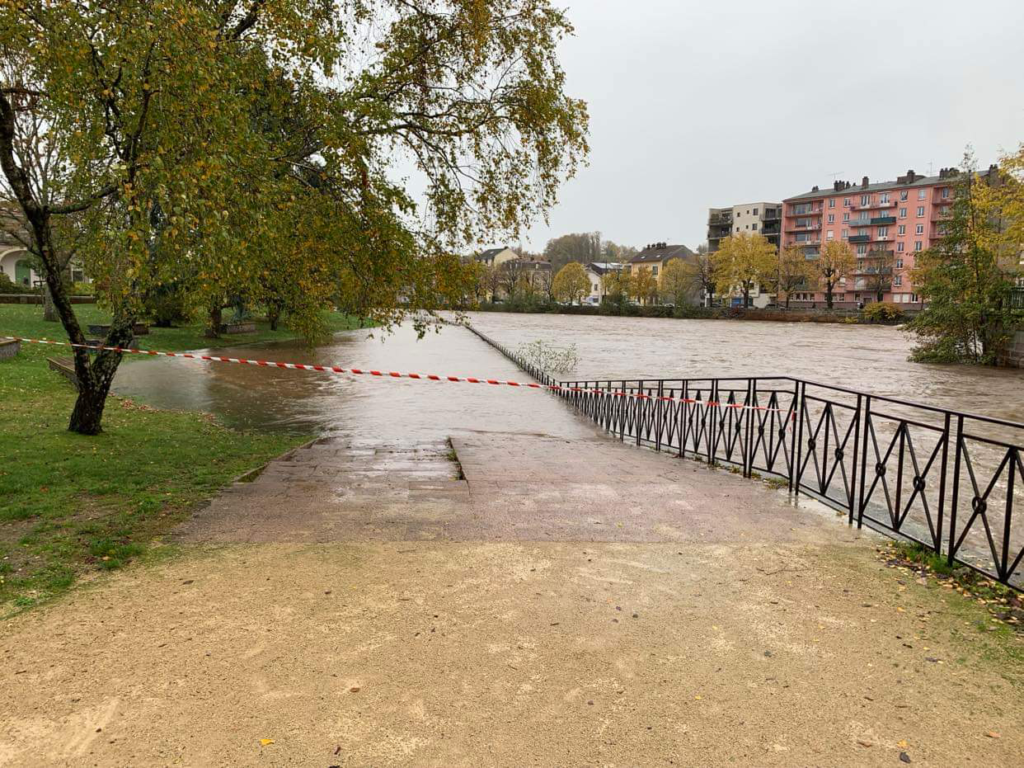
392,374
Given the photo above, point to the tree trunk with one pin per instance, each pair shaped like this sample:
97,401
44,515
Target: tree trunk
828,298
216,319
49,308
273,315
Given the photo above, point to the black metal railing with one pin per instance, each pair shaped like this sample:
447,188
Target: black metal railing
948,480
538,374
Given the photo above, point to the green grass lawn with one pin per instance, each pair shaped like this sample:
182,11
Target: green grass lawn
26,320
71,505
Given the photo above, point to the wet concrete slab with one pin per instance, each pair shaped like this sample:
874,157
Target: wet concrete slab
499,487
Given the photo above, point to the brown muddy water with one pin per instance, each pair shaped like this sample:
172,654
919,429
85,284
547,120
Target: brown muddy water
868,358
401,411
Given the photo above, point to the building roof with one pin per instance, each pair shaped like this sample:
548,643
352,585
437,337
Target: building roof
488,256
661,252
910,180
604,267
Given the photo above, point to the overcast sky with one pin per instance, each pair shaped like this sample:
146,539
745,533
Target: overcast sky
717,102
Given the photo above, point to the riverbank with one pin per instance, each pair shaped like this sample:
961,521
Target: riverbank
73,506
843,316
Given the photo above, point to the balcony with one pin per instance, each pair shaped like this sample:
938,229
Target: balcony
797,211
859,238
871,206
883,220
720,221
805,243
815,227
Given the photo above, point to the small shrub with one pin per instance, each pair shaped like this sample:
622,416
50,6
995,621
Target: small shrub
548,357
83,289
9,286
882,312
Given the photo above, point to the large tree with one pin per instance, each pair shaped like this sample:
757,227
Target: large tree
644,285
571,283
583,247
742,262
677,286
967,279
791,271
831,266
203,142
702,272
876,270
617,287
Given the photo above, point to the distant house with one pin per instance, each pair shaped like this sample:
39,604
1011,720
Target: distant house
657,255
495,257
596,270
15,260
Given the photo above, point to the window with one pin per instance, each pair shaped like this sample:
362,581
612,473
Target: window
883,231
898,280
901,229
846,202
737,229
899,263
865,199
831,218
904,195
903,213
883,198
899,247
920,211
754,226
846,217
846,233
654,271
862,250
922,194
945,193
920,229
831,202
918,245
830,235
755,211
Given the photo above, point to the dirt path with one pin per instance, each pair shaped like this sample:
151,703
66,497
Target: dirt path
567,601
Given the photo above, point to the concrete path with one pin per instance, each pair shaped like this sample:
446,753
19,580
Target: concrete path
548,599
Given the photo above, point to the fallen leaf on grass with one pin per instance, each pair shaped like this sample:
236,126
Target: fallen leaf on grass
266,742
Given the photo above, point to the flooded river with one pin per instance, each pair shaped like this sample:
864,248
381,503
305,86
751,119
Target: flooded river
387,411
870,358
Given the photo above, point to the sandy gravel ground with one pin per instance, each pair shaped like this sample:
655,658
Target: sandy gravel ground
401,616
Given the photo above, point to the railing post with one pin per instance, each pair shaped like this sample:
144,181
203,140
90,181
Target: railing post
792,434
684,395
856,447
802,388
956,487
748,453
862,504
942,485
659,416
622,412
899,477
713,412
638,422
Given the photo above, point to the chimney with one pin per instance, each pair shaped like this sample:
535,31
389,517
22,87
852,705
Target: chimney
814,188
865,182
911,176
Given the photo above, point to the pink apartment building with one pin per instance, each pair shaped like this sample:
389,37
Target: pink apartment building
885,223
